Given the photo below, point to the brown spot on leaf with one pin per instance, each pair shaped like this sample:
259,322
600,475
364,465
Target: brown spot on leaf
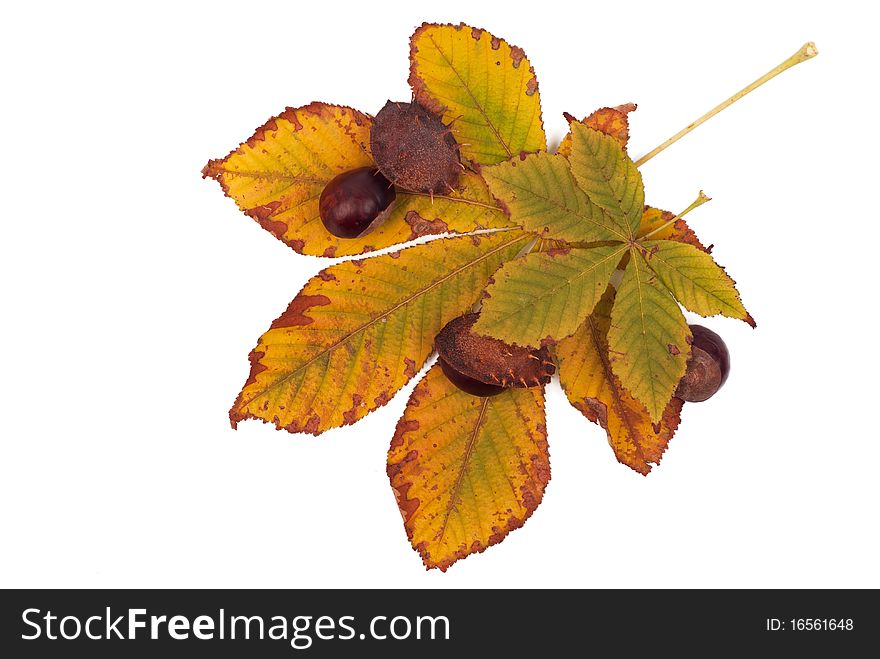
673,349
349,416
516,54
263,215
329,252
235,414
403,426
410,369
311,426
495,43
407,506
419,226
560,250
476,33
326,275
531,86
294,315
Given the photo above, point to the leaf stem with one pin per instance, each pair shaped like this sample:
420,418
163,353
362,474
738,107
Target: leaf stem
699,201
807,51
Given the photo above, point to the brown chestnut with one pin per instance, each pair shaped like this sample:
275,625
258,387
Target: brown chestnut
707,368
355,202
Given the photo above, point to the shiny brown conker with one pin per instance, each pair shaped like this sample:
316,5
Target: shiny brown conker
355,202
414,149
707,368
485,366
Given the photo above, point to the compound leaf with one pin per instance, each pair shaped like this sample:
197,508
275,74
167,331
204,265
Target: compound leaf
649,340
360,330
591,387
482,85
467,470
546,295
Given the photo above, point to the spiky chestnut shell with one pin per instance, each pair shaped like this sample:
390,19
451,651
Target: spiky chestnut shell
355,202
485,366
707,368
414,149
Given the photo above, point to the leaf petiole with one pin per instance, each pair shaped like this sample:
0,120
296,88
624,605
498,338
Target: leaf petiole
699,201
807,51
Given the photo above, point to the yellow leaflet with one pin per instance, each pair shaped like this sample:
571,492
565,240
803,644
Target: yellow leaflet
360,330
481,83
467,470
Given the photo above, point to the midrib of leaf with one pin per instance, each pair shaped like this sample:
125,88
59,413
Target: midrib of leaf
477,105
456,489
272,176
462,200
578,214
615,391
375,320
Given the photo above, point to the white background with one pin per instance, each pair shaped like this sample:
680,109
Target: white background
132,292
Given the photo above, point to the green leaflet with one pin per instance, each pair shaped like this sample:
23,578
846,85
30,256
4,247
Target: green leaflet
648,339
541,195
545,294
696,281
608,176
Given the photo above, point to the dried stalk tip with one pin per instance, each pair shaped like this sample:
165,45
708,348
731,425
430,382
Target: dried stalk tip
808,50
414,149
484,366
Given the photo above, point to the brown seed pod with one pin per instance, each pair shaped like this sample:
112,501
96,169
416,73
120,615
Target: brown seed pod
707,367
483,366
414,149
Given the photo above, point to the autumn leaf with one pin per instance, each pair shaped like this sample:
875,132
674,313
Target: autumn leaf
546,294
607,176
611,121
697,282
649,339
590,385
540,194
467,470
360,330
277,176
659,224
482,85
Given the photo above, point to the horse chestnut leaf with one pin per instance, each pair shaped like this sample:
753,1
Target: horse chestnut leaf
355,202
414,149
485,366
707,368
